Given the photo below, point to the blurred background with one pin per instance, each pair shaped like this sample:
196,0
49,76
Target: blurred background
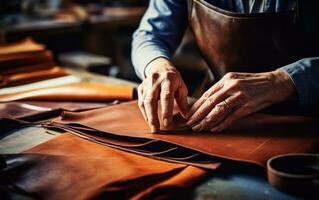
94,35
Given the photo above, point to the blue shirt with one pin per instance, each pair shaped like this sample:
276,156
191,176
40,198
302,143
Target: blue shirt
165,21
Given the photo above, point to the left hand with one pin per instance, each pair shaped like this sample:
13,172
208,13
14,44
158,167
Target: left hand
237,95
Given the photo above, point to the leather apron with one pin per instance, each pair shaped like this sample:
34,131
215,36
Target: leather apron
259,42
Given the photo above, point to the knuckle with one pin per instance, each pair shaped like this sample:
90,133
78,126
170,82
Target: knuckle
234,84
166,95
210,101
168,75
221,107
230,75
166,86
206,95
207,120
242,93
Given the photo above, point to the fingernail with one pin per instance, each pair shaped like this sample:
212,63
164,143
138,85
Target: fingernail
189,123
196,128
166,122
215,129
153,129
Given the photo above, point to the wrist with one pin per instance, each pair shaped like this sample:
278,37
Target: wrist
158,65
283,85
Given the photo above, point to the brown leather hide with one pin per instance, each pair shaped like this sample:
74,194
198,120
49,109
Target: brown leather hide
253,139
68,167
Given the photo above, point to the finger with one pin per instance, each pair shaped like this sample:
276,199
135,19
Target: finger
151,106
204,97
218,113
181,100
141,97
167,102
228,121
206,107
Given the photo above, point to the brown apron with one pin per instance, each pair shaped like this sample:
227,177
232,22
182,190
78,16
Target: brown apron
233,42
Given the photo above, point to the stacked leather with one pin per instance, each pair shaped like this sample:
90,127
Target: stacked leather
95,92
26,62
68,167
28,73
254,139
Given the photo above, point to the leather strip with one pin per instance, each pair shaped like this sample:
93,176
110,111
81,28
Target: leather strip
254,139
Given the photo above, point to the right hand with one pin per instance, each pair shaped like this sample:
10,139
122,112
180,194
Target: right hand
162,83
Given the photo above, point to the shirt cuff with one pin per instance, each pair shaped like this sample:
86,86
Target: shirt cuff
141,58
300,77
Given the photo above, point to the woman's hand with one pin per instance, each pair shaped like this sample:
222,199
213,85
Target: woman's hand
237,95
162,83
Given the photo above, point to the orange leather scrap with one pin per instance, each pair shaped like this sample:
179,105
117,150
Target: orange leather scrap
75,92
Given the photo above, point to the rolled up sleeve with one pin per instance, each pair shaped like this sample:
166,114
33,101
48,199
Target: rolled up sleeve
160,32
305,75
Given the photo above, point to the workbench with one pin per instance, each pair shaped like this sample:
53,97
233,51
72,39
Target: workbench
232,182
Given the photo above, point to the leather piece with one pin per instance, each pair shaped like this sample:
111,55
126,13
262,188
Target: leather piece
26,45
96,92
25,59
234,42
27,110
27,68
147,147
68,167
32,76
253,139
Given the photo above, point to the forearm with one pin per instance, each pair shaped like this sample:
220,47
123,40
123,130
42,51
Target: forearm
159,34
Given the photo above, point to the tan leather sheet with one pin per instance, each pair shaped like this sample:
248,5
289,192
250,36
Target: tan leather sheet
68,167
96,92
254,139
